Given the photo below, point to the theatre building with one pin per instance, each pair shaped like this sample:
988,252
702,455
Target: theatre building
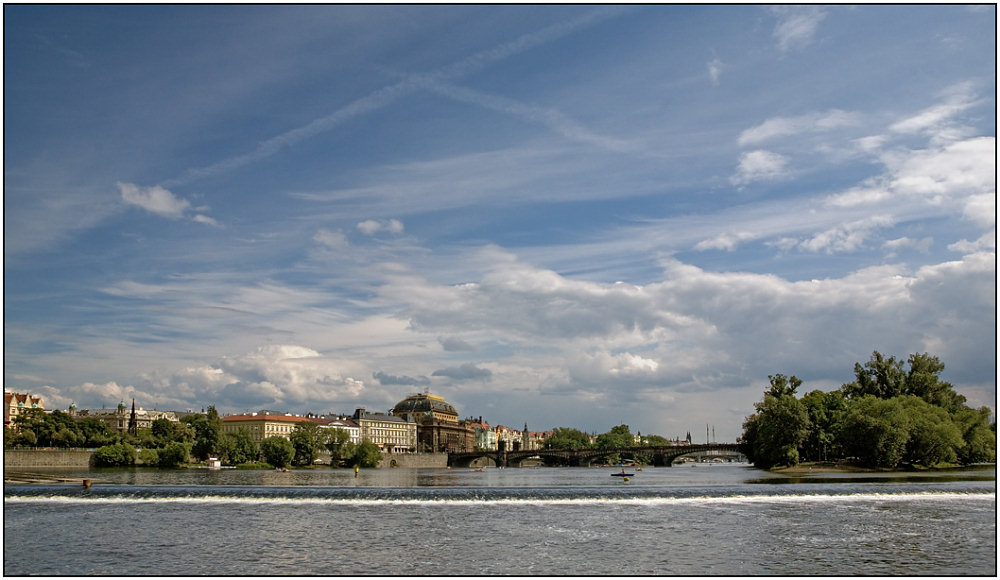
438,427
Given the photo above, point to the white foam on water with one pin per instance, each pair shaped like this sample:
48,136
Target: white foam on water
582,501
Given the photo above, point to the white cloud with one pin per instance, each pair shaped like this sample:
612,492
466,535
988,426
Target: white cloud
161,202
849,237
985,243
796,25
714,70
938,120
726,241
331,239
154,199
952,172
759,165
204,219
922,245
981,209
786,126
372,227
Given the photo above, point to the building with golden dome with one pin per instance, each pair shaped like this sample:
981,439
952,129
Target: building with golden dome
438,427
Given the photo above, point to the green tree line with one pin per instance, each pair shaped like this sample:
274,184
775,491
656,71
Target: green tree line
197,437
887,417
620,436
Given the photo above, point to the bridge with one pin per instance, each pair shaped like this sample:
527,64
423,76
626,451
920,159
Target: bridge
658,456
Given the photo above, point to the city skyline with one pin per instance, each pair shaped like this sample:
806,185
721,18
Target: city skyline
574,216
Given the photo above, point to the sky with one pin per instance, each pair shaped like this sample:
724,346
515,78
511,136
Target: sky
565,216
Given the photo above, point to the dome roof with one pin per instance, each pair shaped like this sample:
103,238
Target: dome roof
423,403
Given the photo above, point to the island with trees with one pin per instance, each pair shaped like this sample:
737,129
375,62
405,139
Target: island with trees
894,415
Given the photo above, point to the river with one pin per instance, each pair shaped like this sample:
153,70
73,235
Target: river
693,519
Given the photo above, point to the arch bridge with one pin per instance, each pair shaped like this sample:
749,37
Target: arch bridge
658,456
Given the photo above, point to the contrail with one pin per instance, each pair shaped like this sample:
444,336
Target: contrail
387,95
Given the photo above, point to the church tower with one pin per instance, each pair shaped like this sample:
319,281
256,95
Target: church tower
133,425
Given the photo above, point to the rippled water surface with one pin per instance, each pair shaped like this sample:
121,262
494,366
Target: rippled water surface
683,520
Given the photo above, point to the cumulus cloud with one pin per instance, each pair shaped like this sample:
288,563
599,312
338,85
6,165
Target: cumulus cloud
981,209
985,243
160,201
272,376
796,25
960,170
696,330
372,227
760,165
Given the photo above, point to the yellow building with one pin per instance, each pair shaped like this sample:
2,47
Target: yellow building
16,403
392,434
263,425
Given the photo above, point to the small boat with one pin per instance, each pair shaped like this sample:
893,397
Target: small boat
622,474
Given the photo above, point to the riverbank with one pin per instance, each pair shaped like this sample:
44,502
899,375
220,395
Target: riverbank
821,467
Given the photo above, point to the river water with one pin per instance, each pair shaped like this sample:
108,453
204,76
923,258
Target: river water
700,519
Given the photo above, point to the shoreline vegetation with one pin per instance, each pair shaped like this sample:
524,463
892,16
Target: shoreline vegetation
831,467
888,418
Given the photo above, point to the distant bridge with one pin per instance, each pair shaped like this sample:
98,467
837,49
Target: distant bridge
659,456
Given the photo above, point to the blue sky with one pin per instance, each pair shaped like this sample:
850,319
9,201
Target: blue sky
561,215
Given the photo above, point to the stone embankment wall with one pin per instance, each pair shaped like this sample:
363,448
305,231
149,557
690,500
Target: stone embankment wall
46,458
414,460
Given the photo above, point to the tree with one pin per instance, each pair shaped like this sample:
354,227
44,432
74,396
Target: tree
934,438
773,434
175,453
879,377
149,457
65,437
24,437
366,454
238,447
825,411
45,426
619,436
96,433
207,432
307,438
339,445
656,441
117,455
782,386
979,441
922,381
165,431
875,431
567,438
277,451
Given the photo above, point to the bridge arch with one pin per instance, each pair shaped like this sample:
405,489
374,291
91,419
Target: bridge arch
659,456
